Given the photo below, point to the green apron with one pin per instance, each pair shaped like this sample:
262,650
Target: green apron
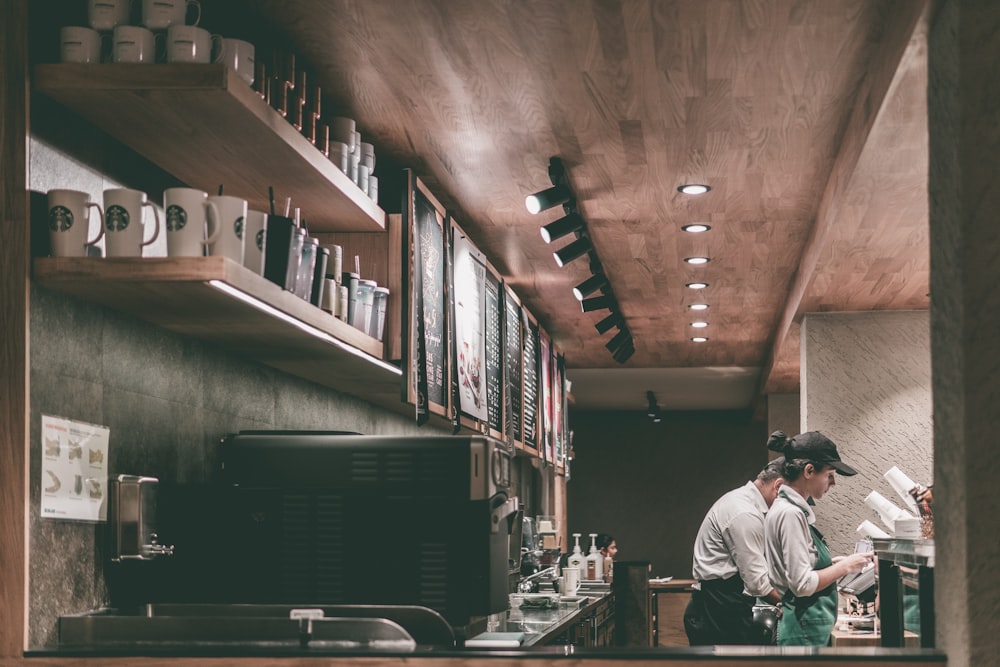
808,621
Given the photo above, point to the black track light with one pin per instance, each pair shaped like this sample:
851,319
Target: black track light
548,198
609,322
621,339
565,225
602,302
589,286
623,354
577,248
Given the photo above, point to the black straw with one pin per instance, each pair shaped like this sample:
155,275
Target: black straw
220,189
270,196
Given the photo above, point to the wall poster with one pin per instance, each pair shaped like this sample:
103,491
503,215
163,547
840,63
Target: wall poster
427,344
530,395
545,373
494,355
74,470
470,325
512,355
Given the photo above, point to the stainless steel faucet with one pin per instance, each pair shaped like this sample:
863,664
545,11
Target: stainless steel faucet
530,583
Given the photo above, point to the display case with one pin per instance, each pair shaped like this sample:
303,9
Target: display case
906,589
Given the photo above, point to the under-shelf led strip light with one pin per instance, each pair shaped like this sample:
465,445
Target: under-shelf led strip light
299,324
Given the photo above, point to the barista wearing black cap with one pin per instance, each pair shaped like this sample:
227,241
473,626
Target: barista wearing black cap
799,563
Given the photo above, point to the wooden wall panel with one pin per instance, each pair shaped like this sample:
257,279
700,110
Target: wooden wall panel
14,325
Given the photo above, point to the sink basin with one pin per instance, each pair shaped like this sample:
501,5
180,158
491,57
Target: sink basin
343,626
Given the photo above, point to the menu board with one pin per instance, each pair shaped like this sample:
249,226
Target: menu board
427,344
545,373
530,383
494,355
512,364
470,325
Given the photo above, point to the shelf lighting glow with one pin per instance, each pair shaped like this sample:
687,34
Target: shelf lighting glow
696,260
699,325
696,285
696,228
698,306
694,189
299,324
699,339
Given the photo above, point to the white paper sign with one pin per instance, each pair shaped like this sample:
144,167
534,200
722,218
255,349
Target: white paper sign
74,470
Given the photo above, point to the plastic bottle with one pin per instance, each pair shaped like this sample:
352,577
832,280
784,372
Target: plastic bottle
609,566
595,561
576,558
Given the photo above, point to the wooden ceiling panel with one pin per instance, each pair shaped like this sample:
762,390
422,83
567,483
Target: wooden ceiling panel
638,96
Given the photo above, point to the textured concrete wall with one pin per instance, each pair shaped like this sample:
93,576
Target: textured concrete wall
866,383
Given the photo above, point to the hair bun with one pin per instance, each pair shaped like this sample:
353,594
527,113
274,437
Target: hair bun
777,441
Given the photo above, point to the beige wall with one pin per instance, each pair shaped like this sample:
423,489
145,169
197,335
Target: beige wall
866,383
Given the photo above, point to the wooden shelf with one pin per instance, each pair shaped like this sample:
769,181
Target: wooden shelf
206,126
217,300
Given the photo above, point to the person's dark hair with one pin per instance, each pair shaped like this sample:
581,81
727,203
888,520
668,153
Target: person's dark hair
772,471
603,540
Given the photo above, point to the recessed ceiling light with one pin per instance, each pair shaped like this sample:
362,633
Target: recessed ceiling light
694,189
699,325
696,228
696,260
696,285
698,306
699,339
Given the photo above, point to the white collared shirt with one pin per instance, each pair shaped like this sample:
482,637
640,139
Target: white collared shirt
731,541
791,554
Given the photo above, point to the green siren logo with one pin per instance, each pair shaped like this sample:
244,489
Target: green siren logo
60,218
116,218
260,240
238,227
177,217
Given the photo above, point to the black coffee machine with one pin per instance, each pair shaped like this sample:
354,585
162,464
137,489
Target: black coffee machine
328,518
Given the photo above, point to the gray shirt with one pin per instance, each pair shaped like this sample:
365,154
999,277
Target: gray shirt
731,541
791,554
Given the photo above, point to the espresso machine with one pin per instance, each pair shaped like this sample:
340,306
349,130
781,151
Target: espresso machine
318,518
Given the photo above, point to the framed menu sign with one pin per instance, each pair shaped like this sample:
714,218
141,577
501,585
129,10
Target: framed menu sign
469,267
530,381
545,374
494,354
427,344
512,354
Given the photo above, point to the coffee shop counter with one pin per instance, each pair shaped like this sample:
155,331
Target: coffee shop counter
584,620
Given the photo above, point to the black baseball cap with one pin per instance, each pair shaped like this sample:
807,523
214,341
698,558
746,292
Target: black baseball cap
816,447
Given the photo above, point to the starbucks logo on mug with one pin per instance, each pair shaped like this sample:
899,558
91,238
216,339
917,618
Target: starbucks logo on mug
260,240
176,218
60,218
238,227
116,218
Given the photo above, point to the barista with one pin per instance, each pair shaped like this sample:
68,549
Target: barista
799,563
607,546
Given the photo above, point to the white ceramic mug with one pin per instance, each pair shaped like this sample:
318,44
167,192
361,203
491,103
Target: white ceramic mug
161,14
342,129
569,584
123,224
255,236
106,14
237,55
227,227
187,214
133,44
69,222
368,156
189,44
79,45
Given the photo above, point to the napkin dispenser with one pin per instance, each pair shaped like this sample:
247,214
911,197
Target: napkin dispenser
133,519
